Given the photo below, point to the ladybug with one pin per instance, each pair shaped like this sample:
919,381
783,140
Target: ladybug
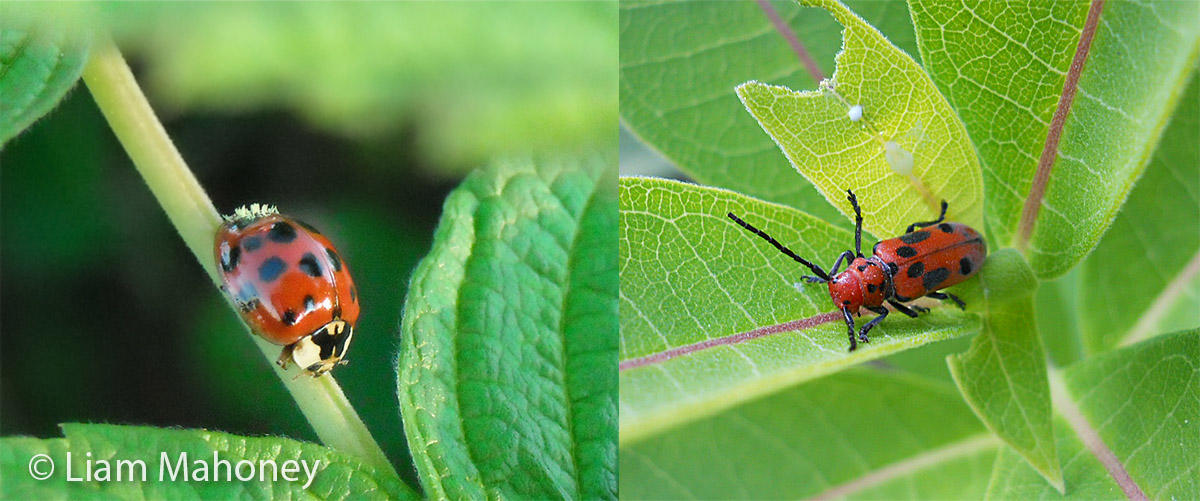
900,269
290,285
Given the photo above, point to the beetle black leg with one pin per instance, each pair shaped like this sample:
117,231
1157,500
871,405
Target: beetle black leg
883,313
771,240
904,309
857,223
850,327
838,264
946,295
941,217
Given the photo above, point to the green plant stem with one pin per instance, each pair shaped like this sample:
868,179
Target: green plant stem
187,205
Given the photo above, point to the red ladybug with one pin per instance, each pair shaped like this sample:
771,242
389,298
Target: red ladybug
290,285
902,269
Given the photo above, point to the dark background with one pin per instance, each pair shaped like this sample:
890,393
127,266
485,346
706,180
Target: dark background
105,316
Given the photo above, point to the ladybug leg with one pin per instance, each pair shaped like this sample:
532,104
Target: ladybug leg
905,310
946,295
941,217
285,356
857,223
850,326
883,313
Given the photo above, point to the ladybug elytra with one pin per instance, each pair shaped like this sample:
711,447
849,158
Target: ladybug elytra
290,285
915,264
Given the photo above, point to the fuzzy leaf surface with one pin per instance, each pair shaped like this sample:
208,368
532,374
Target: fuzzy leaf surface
1002,375
1144,277
678,80
812,439
1003,64
37,67
507,379
689,274
901,104
1143,401
338,476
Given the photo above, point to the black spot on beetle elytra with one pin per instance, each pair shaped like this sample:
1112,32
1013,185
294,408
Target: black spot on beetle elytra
875,248
862,267
309,265
281,232
271,269
964,266
309,304
333,258
871,287
914,237
946,228
289,317
906,251
229,259
916,269
353,293
251,244
892,268
845,302
935,277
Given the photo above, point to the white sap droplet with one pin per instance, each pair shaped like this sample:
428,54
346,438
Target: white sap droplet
855,113
799,286
899,158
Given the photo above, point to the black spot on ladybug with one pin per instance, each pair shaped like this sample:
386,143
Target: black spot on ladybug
870,287
892,268
281,233
309,265
333,257
906,251
862,267
935,277
248,307
308,227
353,293
914,237
916,269
846,302
946,228
964,266
271,269
289,317
251,244
309,304
229,259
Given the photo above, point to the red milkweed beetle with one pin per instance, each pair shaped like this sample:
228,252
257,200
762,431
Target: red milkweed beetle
901,269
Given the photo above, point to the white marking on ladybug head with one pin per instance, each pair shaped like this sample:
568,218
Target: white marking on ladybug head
324,349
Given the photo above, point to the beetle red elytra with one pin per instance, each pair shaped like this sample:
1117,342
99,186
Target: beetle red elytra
915,264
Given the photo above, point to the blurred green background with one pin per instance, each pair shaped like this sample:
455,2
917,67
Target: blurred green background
357,118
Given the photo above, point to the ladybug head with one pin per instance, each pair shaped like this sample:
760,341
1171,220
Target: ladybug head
322,350
846,290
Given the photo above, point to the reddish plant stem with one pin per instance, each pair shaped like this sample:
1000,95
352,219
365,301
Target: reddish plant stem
794,325
1037,191
801,52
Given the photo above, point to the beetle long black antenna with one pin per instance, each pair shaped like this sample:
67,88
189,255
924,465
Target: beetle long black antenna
857,223
815,269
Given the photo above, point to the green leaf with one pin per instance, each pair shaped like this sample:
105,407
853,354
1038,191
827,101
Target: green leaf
689,274
1144,277
1003,66
37,67
900,106
507,378
678,79
860,433
1003,375
336,476
1143,404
